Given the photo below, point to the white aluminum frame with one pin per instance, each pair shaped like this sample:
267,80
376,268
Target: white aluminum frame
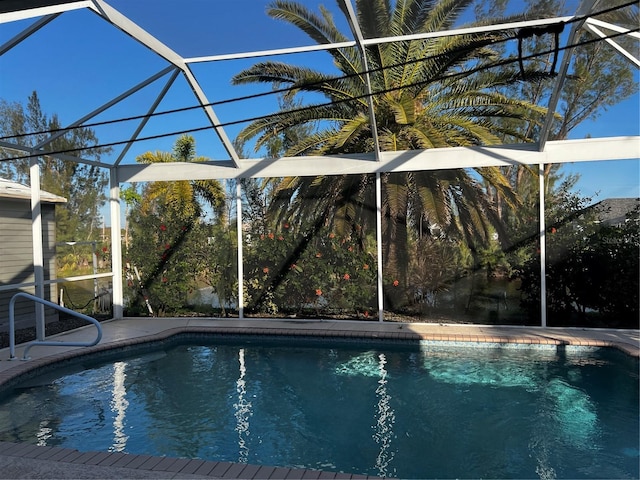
376,162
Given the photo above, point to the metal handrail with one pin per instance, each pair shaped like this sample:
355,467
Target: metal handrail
12,339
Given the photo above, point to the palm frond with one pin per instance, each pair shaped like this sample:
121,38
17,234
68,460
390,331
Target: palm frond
319,29
349,130
432,196
181,198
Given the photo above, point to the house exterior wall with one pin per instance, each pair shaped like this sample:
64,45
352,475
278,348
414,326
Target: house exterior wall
16,259
614,211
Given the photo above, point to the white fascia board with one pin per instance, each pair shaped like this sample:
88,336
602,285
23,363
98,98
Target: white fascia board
562,151
42,11
117,19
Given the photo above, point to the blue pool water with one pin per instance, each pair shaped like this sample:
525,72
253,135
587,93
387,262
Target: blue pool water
397,410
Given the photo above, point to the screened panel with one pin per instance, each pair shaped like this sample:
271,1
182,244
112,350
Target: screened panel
593,240
89,296
180,255
310,248
456,246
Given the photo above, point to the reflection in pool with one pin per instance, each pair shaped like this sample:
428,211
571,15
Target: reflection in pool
397,410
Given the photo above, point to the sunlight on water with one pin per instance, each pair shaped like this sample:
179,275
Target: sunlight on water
383,428
364,364
474,372
243,411
575,413
119,406
540,450
44,434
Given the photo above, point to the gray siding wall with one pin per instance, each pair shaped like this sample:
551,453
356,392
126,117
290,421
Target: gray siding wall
16,259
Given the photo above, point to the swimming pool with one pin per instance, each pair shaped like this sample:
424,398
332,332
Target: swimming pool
410,410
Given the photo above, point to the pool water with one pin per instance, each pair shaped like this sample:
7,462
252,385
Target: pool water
396,410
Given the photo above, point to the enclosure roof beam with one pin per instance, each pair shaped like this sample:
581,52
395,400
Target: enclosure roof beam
24,150
148,40
585,8
211,115
378,40
106,106
615,45
118,20
611,26
355,28
561,151
147,117
26,33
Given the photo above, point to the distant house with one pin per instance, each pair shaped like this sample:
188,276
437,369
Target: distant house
16,250
613,211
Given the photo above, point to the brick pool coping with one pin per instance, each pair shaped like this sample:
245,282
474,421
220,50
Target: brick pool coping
626,341
31,461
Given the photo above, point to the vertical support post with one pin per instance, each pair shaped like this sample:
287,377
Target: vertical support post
38,253
543,249
379,246
116,244
239,252
94,257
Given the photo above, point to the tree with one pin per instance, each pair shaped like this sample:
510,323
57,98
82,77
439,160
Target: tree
592,267
131,197
259,192
82,185
421,105
184,198
220,263
168,230
612,260
599,76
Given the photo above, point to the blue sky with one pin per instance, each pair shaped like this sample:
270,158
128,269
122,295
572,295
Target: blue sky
78,62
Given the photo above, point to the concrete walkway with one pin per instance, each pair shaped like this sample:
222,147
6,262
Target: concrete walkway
30,461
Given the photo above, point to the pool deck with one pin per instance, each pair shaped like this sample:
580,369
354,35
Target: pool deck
30,461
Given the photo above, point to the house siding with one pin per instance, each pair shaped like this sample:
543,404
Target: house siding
16,259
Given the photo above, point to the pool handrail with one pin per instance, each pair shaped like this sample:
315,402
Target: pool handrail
12,339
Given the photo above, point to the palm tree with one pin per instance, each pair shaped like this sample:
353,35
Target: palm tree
184,198
166,214
432,95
